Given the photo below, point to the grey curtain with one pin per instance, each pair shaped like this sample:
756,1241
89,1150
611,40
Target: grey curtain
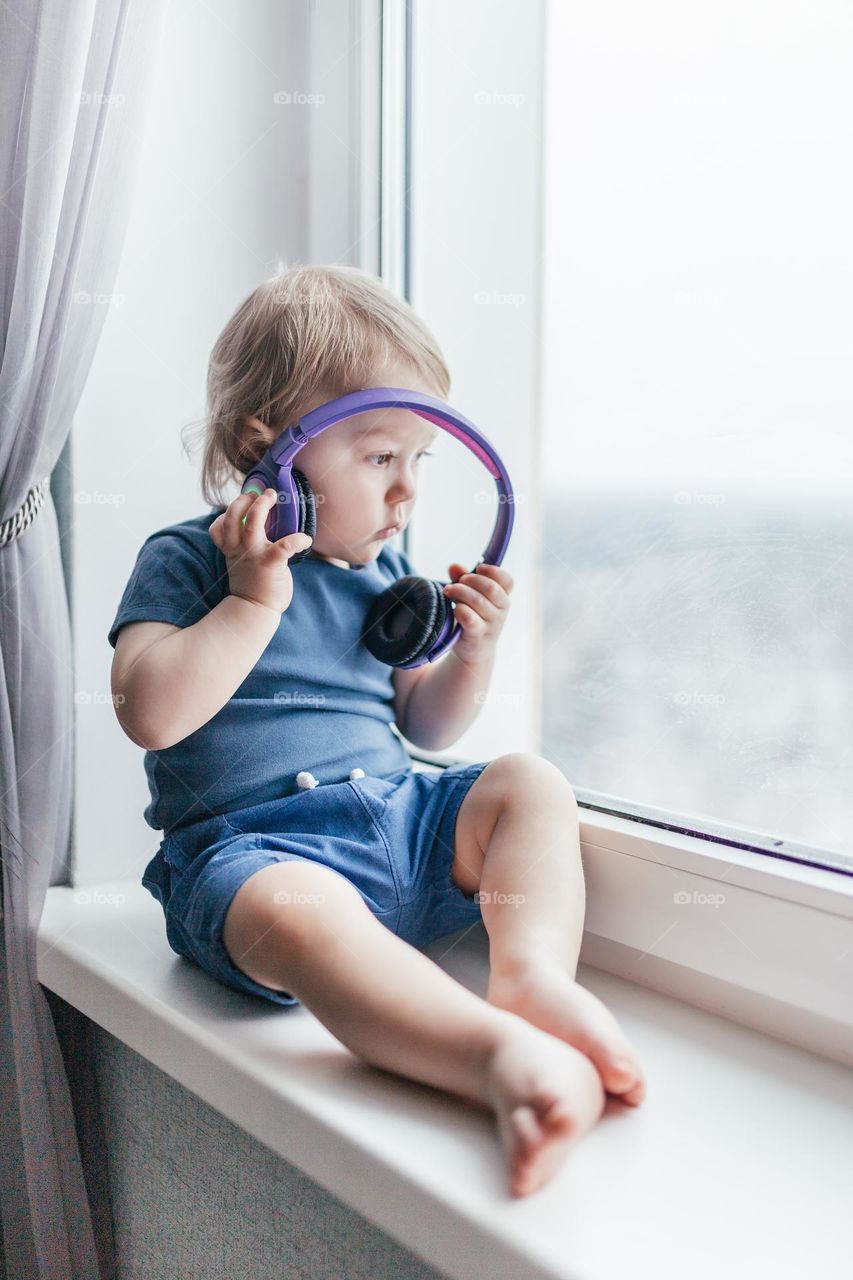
74,82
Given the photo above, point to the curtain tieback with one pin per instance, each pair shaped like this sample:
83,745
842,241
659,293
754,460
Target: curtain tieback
26,513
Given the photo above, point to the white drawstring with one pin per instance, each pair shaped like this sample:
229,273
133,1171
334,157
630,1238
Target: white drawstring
306,780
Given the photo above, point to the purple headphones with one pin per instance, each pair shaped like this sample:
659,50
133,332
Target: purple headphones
411,622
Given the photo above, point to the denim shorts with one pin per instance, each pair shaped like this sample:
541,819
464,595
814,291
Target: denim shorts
391,838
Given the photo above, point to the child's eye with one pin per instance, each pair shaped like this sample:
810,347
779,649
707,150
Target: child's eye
424,453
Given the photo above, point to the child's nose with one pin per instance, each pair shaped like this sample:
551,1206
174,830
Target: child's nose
402,491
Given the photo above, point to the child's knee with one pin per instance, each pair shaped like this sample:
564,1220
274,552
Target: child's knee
274,919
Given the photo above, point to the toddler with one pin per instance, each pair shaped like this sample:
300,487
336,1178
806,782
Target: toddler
303,859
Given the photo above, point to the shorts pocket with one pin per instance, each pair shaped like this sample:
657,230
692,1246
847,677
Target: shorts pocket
183,844
373,794
157,878
267,817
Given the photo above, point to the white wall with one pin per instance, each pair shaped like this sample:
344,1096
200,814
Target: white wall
222,192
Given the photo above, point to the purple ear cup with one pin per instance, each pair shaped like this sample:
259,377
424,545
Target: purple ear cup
405,621
277,524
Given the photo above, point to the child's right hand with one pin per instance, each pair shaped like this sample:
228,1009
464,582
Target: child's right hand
258,569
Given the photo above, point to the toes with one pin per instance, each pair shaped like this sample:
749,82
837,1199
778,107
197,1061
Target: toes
618,1069
527,1140
619,1074
625,1081
535,1128
635,1095
622,1073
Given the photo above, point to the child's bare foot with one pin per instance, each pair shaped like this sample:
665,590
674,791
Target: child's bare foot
546,1095
544,994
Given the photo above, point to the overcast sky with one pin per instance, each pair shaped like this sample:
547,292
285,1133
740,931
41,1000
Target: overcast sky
698,252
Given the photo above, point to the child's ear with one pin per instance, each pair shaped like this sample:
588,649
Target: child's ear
259,428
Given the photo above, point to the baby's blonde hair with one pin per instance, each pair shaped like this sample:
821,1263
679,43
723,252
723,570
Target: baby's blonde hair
305,332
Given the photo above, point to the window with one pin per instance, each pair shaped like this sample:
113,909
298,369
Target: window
696,462
472,271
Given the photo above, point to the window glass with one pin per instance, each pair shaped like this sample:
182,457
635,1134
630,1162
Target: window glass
697,456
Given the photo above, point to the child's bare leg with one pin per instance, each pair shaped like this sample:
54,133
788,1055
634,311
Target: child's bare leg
517,841
396,1009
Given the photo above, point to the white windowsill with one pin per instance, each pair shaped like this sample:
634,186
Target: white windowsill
741,1149
764,941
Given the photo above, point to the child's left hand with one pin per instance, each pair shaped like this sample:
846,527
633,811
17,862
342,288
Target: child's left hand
481,607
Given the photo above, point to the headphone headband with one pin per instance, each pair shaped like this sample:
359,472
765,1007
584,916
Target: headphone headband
275,466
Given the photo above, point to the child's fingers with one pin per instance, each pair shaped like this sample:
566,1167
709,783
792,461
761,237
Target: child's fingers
292,543
469,620
496,573
470,600
253,524
231,530
475,588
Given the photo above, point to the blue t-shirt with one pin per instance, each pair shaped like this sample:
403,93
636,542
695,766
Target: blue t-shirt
316,699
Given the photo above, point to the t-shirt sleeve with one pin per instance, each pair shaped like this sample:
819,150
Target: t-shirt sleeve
172,581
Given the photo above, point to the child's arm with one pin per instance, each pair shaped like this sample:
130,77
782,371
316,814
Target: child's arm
179,682
172,686
448,695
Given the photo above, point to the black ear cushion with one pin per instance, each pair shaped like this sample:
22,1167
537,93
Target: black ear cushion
405,619
307,511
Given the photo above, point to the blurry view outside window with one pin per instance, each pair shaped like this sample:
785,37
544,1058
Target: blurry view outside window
697,413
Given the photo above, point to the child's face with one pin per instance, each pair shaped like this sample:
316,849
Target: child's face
364,474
